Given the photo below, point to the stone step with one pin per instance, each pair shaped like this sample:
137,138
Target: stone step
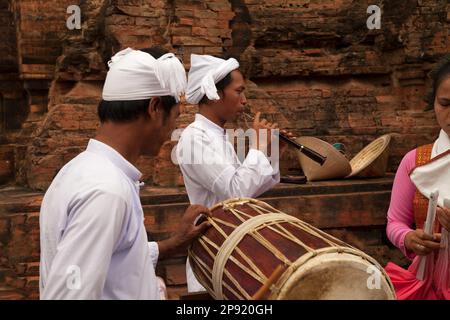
9,293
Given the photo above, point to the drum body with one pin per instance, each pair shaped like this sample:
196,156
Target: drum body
249,240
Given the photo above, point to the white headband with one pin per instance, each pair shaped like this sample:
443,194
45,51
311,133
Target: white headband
205,72
136,75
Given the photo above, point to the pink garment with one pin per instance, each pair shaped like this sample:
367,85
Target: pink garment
406,285
400,221
401,210
442,273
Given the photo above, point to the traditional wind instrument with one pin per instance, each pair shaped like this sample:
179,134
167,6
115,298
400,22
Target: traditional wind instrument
313,155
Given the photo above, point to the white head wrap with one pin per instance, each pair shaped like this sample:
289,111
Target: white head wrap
136,75
205,72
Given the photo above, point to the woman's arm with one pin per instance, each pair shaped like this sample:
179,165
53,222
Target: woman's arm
401,209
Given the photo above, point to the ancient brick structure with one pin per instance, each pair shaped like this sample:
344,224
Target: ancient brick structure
312,65
312,62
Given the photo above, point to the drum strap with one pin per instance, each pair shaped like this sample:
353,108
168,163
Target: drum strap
229,245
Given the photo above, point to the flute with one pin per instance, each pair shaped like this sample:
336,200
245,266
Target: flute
313,155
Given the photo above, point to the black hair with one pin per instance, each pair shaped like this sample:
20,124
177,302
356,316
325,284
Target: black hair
437,75
129,110
221,85
125,111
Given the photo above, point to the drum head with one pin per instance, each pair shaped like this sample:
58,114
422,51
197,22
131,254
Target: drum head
337,276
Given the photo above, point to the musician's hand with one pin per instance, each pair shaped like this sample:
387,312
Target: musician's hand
284,144
421,243
187,231
443,215
263,125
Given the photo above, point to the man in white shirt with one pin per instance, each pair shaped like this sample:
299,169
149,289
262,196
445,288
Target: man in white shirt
211,168
93,240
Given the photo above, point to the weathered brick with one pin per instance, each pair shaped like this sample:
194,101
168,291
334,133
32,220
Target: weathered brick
182,31
186,21
191,41
208,14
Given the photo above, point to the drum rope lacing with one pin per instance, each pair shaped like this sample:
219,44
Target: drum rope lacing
231,242
251,226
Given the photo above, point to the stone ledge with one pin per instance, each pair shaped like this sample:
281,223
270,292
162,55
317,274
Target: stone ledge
155,195
21,200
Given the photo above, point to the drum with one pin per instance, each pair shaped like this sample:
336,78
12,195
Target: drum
249,240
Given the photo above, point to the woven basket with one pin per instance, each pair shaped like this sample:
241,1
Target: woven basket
372,161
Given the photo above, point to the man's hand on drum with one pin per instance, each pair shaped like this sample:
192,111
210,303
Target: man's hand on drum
421,243
443,215
191,226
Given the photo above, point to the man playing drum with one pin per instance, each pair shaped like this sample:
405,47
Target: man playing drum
93,240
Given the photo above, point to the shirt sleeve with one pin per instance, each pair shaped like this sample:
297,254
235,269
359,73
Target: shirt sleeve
214,169
401,210
83,256
154,253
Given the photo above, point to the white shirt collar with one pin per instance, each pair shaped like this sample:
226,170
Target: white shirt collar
115,157
209,125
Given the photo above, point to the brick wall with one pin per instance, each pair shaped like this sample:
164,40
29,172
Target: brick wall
312,65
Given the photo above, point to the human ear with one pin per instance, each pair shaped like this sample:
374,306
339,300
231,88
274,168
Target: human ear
153,107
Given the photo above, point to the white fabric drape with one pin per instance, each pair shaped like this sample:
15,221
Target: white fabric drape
205,72
436,174
136,75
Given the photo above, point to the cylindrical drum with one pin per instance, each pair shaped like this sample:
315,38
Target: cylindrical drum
249,240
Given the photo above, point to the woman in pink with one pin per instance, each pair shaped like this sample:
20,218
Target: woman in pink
407,210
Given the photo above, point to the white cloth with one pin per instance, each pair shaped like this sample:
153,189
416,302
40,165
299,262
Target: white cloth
205,72
224,177
441,145
436,174
93,239
136,75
